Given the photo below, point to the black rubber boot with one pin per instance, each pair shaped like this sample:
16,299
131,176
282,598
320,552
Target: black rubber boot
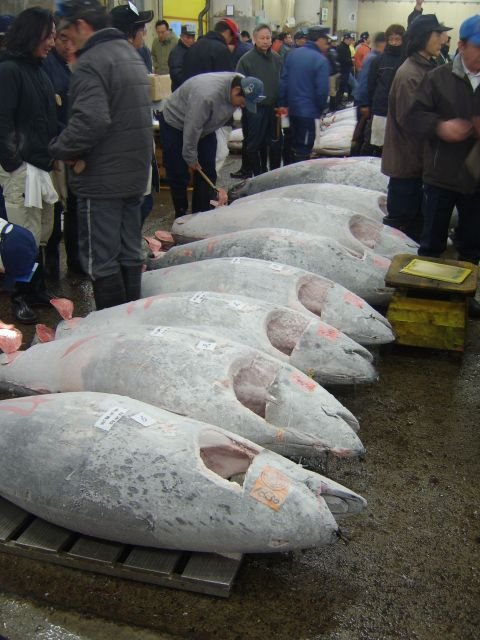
109,291
132,281
180,201
22,311
275,159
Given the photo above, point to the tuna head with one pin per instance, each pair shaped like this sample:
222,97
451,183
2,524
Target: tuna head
295,403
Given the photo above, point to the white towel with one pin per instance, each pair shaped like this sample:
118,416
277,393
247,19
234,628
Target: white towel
38,188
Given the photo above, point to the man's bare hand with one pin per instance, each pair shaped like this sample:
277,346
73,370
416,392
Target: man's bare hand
454,130
365,111
195,167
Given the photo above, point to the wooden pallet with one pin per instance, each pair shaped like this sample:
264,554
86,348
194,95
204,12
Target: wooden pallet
25,535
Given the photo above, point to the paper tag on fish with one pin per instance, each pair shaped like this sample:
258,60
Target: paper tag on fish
199,297
271,488
276,267
109,418
159,331
144,419
236,260
206,346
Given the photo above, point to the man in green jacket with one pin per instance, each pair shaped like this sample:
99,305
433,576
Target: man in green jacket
163,44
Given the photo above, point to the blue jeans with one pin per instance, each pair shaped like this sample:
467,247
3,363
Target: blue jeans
438,205
303,137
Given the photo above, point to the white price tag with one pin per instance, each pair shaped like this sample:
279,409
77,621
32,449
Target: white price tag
110,417
206,346
199,297
159,331
144,419
276,267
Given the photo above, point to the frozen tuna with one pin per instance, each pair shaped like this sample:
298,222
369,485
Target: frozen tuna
372,204
188,372
279,284
352,230
359,172
309,344
362,273
119,469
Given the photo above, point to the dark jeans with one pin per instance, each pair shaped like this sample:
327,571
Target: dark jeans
177,170
262,130
303,137
438,205
404,205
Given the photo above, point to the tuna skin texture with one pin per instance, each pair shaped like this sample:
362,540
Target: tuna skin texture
277,283
115,468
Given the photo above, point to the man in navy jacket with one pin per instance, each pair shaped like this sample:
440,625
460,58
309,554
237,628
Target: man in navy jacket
304,89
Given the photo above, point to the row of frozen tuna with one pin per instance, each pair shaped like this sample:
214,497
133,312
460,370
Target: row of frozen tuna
243,358
208,490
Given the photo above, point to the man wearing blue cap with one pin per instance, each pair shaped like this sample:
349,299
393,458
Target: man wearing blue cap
304,88
447,110
188,122
18,254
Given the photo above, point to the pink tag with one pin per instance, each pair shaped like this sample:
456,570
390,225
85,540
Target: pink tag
354,300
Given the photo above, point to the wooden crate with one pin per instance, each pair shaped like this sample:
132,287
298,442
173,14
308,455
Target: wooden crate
436,324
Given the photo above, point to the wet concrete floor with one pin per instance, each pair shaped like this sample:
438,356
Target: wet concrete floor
410,568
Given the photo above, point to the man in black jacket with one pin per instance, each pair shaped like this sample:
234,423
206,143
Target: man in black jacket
345,63
263,127
211,53
178,53
447,110
108,142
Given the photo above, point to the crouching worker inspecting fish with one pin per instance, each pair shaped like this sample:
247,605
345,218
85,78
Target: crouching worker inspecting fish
190,117
107,145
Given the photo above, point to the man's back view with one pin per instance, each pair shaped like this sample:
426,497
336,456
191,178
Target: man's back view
108,143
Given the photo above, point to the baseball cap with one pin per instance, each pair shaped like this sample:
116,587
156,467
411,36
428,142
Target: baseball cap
253,91
188,29
365,34
70,10
470,30
425,24
348,35
18,251
127,15
6,22
317,31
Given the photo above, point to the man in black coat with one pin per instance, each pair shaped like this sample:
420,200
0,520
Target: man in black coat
345,63
211,53
178,53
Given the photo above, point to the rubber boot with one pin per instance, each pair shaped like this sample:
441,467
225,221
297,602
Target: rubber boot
180,201
21,309
263,159
245,170
109,291
52,249
255,162
332,103
275,158
132,281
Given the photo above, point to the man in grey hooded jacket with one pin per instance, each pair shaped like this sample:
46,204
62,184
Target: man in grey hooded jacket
190,117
